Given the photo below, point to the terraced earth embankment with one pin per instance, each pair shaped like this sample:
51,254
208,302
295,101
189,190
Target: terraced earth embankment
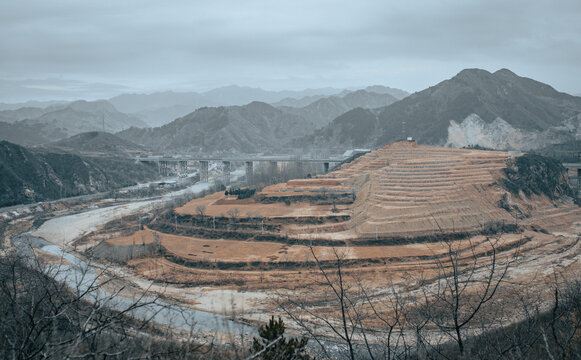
387,216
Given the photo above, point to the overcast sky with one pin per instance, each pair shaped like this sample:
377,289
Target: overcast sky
91,49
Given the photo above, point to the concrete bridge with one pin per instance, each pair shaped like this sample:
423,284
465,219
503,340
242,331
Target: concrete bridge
574,170
180,163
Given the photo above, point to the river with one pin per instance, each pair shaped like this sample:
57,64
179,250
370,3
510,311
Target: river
57,234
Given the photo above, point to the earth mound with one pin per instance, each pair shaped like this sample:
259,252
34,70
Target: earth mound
393,204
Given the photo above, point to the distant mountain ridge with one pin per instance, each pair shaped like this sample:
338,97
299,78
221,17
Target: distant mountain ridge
97,143
498,110
161,108
251,128
31,104
380,89
324,110
56,122
307,100
12,116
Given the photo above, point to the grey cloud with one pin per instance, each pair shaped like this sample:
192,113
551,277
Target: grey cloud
56,89
300,43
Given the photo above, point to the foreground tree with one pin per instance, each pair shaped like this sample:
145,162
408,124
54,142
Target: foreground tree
467,279
43,317
273,344
562,336
415,318
344,322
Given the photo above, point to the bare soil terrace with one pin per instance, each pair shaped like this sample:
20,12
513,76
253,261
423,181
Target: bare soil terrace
384,215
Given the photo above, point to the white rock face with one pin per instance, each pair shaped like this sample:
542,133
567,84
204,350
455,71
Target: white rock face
496,135
500,135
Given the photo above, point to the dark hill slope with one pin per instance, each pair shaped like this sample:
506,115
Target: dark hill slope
23,134
97,143
524,103
539,113
352,129
251,128
323,111
535,174
35,126
28,176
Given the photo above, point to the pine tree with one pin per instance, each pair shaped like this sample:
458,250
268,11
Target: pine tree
274,345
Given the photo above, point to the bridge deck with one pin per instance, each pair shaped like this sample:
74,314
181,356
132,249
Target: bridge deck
572,165
241,159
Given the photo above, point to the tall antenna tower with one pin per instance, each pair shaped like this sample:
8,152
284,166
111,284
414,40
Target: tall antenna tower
403,135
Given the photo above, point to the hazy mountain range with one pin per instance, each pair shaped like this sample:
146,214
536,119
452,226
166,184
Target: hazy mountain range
307,100
324,110
161,108
31,126
30,104
251,128
255,127
499,110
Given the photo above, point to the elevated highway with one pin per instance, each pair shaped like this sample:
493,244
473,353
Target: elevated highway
181,163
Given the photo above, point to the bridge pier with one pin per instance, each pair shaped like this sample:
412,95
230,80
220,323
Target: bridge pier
273,167
163,167
179,164
203,171
183,167
574,172
226,172
249,173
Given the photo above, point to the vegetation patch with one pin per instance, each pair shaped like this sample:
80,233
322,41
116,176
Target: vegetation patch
536,174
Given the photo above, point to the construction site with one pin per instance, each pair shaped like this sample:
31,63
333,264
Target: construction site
389,219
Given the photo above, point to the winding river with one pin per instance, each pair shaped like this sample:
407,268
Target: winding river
55,236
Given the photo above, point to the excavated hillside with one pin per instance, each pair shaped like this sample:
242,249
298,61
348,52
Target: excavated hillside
401,194
388,215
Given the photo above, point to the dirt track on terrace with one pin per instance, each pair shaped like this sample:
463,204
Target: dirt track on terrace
220,250
218,205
